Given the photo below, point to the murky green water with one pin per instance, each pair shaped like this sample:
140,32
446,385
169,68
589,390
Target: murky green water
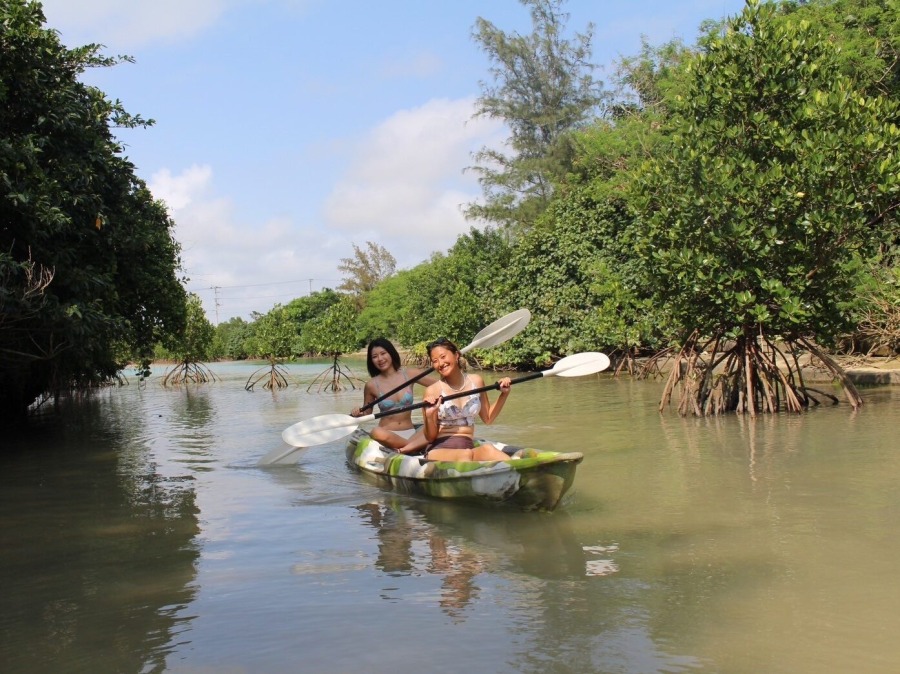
140,536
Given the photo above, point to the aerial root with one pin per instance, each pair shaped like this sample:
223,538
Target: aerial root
751,375
273,377
332,378
188,372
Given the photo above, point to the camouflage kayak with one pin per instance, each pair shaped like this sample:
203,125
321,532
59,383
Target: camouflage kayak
531,480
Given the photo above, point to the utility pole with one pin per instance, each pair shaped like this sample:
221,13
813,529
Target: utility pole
215,290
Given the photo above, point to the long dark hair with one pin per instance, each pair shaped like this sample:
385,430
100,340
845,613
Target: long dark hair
387,346
447,344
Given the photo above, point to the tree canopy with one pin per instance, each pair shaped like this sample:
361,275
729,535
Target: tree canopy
542,88
366,269
754,221
89,262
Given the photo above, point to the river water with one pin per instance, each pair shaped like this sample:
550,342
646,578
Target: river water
137,534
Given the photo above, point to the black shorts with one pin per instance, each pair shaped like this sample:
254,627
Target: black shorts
451,442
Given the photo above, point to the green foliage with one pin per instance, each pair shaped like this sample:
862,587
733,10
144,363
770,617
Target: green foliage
868,32
194,343
302,310
229,340
877,312
274,336
573,272
365,270
647,81
542,89
454,295
777,173
333,332
387,310
71,207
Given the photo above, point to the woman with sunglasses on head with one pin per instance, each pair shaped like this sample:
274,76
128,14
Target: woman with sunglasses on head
450,425
395,431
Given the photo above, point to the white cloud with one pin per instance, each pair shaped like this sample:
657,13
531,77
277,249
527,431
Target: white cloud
179,191
405,188
132,24
238,266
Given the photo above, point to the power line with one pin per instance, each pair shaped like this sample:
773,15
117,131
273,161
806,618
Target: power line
273,283
259,297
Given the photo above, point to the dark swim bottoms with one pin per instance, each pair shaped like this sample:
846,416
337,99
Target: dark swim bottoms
451,442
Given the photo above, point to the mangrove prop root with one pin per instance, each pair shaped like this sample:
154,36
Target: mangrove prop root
188,372
751,375
837,371
273,377
331,380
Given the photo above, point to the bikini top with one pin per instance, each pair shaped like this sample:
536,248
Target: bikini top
451,414
405,399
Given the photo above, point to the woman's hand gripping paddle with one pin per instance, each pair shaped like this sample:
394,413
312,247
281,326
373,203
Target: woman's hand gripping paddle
501,330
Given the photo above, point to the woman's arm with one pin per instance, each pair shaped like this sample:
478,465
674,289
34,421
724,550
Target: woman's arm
490,411
430,412
368,397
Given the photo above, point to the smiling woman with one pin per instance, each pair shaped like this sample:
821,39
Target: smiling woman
450,427
387,390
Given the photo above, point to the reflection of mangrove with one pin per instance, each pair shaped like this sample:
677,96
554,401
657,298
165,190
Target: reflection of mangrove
193,419
459,543
104,557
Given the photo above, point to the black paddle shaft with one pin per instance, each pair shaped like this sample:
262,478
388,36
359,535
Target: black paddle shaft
461,394
408,382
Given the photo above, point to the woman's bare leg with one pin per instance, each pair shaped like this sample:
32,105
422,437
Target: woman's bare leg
415,444
450,455
386,438
487,452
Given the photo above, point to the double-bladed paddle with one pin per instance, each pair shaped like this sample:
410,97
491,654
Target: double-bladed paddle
329,427
501,330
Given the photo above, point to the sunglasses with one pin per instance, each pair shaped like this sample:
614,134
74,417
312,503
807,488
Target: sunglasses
440,341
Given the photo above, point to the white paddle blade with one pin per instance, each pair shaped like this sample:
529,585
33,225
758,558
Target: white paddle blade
322,429
501,330
579,365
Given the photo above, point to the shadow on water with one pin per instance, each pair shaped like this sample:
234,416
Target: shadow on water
100,546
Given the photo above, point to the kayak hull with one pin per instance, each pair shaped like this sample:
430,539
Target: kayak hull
530,480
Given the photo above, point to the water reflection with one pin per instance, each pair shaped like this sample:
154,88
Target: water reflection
713,545
459,544
101,551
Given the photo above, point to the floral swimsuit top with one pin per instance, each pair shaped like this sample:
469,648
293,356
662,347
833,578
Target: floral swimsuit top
451,414
405,399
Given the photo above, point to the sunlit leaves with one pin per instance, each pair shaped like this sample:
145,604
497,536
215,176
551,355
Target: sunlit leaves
760,195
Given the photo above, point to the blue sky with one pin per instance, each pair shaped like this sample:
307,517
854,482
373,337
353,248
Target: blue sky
288,130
